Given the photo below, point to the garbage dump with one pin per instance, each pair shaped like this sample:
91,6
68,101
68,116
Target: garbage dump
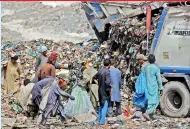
13,110
127,38
28,51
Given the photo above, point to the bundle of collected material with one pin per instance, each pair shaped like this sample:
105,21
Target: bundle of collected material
81,104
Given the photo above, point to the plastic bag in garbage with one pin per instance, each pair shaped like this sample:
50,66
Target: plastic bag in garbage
80,105
17,108
32,53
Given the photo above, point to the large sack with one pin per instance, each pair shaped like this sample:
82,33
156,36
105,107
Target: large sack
94,89
80,105
140,99
24,94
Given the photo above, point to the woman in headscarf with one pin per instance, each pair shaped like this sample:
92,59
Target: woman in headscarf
13,75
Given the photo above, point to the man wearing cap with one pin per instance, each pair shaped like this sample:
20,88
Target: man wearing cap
140,99
13,75
41,58
48,69
51,94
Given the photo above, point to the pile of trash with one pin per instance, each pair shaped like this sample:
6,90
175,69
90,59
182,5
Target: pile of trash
127,38
12,114
10,106
28,50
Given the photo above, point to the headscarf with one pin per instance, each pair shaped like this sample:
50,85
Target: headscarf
53,56
14,56
64,77
62,83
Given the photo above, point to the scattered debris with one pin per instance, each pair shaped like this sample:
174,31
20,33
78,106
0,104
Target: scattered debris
8,122
127,39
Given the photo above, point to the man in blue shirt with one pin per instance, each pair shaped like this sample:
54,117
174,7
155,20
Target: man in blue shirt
115,75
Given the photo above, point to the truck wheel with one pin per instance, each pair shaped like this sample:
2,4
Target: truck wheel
175,101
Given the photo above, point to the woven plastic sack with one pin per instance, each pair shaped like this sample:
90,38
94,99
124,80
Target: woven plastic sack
80,105
24,94
140,99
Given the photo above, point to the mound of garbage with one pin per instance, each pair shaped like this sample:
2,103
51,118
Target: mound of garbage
127,38
27,51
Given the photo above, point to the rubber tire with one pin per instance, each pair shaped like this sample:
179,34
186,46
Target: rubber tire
185,95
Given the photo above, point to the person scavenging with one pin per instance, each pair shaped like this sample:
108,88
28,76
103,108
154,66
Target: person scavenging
51,105
104,90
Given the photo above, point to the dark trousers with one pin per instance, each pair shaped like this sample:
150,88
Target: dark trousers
118,107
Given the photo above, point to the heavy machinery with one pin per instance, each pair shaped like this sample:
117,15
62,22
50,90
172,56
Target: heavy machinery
171,46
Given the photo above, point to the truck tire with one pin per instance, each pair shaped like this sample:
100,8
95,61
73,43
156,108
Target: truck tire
175,101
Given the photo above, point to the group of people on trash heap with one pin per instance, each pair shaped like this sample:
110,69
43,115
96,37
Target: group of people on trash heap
148,88
47,90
